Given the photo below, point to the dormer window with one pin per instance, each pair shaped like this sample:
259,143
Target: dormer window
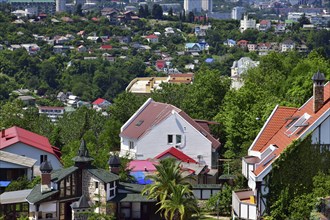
300,122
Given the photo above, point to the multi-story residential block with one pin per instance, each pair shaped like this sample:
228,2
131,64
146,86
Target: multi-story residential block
237,13
35,7
207,5
192,6
52,112
247,23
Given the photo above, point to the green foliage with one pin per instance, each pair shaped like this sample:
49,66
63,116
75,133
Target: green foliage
172,191
293,195
181,203
22,183
277,80
206,94
221,202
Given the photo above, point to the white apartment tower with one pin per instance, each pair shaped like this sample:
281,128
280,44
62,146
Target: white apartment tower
60,5
192,5
247,23
237,12
207,5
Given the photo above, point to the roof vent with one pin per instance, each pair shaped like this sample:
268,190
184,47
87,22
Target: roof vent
140,122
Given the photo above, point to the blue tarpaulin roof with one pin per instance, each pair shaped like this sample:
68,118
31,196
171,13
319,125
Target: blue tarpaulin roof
209,60
4,183
140,177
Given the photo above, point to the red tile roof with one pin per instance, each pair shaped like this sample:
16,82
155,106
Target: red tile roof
15,135
264,22
98,101
177,154
106,47
152,36
274,131
153,114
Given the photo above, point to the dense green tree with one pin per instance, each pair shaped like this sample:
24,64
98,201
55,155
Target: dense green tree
157,11
206,94
181,203
168,175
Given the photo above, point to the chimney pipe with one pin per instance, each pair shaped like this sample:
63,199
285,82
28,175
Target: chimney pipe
318,91
46,169
3,133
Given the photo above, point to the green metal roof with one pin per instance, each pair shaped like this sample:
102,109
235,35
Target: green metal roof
36,196
206,186
133,187
131,197
58,175
104,175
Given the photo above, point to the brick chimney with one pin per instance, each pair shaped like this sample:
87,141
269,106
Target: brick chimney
3,132
114,164
318,90
46,169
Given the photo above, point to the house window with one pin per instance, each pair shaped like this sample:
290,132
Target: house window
131,145
96,185
170,139
112,193
178,139
43,158
112,189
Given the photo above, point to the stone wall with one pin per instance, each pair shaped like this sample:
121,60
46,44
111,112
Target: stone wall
88,188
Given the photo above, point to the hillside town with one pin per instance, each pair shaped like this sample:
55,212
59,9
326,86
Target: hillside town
164,109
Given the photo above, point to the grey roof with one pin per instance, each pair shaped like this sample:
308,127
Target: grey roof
60,174
83,202
318,76
133,187
46,166
18,196
26,98
83,154
197,168
206,186
36,196
17,159
114,160
131,197
104,175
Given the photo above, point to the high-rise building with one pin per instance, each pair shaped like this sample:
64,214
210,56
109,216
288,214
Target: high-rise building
192,5
207,5
237,12
60,5
35,7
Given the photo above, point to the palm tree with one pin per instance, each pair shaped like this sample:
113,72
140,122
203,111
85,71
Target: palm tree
171,190
181,203
167,171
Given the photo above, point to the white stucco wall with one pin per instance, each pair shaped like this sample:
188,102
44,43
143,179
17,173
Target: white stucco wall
324,131
34,153
193,143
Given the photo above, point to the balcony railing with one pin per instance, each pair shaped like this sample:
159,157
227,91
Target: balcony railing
244,204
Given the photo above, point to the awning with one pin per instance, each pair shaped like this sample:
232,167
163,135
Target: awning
13,197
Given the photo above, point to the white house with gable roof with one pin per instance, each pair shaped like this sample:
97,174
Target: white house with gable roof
156,127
